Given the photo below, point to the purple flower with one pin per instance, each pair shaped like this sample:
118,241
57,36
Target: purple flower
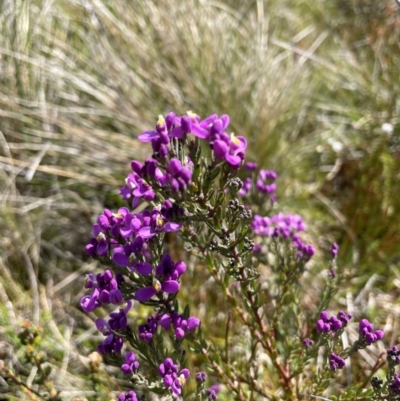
131,365
394,385
181,325
173,379
367,332
246,188
212,392
157,223
201,377
136,188
334,250
147,330
104,291
128,396
307,342
325,324
266,181
250,166
336,362
169,286
231,148
178,176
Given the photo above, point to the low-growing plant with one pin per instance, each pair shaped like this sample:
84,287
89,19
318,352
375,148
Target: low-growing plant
199,198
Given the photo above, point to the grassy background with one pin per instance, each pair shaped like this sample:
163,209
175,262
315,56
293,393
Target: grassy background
311,84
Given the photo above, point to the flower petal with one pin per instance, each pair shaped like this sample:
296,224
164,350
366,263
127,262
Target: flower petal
144,294
144,268
170,286
148,136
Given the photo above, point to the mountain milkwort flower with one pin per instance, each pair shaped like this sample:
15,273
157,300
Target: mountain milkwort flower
166,280
334,250
266,181
168,370
104,291
130,365
157,223
336,362
394,385
147,330
212,392
326,324
307,342
181,325
128,396
367,332
201,377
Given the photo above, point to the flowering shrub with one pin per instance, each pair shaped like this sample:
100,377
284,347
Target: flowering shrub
198,188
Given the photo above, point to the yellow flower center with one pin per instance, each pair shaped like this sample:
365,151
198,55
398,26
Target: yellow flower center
117,215
100,237
156,285
159,221
191,114
182,379
235,140
161,121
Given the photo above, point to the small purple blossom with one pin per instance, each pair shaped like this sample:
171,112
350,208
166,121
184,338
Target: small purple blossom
181,325
201,377
367,332
131,365
307,342
104,291
336,362
166,280
394,385
334,250
212,392
147,330
173,379
266,182
128,396
326,324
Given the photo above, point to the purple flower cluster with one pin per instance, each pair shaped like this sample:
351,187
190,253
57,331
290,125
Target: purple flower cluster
212,392
264,182
147,330
104,291
173,380
394,385
131,365
334,250
367,332
226,147
118,322
336,362
201,377
129,396
307,342
166,279
304,251
279,225
284,226
118,231
181,325
327,324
